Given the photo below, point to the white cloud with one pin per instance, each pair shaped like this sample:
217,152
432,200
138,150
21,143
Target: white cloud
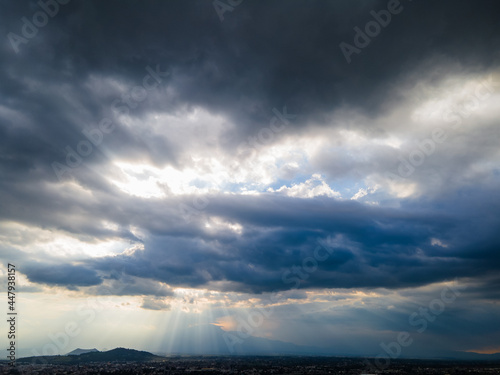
43,244
313,187
438,242
364,192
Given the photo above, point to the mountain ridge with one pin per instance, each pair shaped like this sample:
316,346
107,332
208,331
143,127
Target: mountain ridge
79,351
113,355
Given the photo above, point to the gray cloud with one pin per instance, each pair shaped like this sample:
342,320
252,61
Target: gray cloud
61,275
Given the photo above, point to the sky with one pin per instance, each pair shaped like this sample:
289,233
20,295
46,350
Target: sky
321,173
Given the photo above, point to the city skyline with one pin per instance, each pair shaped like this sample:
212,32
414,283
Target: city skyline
231,176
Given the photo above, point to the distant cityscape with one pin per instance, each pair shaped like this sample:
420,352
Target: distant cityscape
250,187
128,361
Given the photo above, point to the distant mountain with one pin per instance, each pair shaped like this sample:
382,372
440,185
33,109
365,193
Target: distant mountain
115,355
471,356
452,356
212,340
82,351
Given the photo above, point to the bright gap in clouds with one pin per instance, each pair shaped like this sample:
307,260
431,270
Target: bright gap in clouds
292,162
45,244
214,174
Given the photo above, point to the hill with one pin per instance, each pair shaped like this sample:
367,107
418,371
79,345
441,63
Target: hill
114,355
79,351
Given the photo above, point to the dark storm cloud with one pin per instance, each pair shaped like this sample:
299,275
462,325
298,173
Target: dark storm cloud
61,275
264,55
379,247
